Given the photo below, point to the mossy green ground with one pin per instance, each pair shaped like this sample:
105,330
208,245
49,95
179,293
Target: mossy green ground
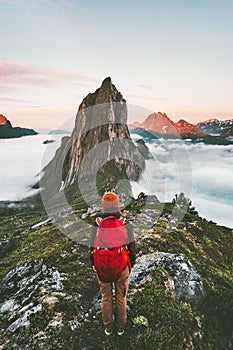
170,324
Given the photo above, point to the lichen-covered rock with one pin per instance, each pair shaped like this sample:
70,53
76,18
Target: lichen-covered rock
187,282
26,288
146,211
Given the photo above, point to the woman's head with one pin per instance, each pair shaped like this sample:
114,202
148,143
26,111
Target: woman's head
110,203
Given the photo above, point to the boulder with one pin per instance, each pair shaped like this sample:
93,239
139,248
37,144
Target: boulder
143,149
188,285
25,289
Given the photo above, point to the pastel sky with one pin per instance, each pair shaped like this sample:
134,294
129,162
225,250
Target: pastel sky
173,56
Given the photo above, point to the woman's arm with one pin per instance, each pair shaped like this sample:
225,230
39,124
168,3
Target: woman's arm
93,234
132,245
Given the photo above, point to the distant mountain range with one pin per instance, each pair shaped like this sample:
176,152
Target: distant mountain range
8,131
215,126
59,132
210,131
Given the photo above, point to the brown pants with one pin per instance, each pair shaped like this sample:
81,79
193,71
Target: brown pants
121,290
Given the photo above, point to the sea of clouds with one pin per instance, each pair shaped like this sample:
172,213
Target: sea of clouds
202,172
22,160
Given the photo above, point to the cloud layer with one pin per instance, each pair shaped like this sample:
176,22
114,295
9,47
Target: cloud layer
203,173
206,180
21,162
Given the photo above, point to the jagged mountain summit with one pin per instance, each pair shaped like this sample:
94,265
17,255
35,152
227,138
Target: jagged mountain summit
101,135
8,131
100,149
188,130
160,124
3,120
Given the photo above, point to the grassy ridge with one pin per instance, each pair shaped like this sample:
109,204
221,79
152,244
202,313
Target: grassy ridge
156,319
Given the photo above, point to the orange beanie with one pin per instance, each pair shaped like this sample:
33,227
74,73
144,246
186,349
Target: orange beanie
110,200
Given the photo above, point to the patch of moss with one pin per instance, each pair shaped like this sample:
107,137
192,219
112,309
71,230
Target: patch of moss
171,324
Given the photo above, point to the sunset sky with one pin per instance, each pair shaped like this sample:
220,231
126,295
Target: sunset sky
173,56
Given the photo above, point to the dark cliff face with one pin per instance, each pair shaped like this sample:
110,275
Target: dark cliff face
228,132
100,142
100,152
143,149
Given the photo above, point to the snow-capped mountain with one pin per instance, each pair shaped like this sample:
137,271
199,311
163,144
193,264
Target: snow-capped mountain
215,126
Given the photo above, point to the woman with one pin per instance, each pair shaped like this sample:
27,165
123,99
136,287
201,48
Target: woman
111,212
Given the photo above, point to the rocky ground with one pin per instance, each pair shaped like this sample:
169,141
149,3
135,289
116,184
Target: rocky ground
180,289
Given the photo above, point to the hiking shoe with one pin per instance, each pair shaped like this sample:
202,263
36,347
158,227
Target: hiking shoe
120,331
108,331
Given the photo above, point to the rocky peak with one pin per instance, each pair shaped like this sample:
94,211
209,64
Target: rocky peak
187,129
3,120
212,120
8,131
182,122
106,93
100,140
158,123
100,147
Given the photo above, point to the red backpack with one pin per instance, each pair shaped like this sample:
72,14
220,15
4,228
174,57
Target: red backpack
111,255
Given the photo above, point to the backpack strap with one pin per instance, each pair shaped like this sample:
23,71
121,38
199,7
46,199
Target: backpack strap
111,217
98,221
122,220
